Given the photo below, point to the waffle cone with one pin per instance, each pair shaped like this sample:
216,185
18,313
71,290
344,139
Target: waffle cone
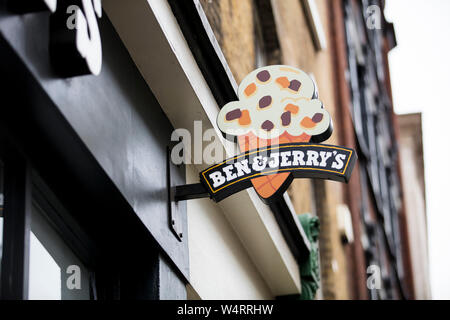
267,185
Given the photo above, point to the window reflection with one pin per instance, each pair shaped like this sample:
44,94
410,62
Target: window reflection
55,272
45,273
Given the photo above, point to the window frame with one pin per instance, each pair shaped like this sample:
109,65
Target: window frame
16,224
23,187
315,24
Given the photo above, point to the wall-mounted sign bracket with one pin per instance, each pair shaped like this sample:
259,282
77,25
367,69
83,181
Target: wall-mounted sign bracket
175,219
298,160
191,191
295,160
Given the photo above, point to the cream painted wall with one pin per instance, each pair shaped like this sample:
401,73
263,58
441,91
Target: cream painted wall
415,216
220,267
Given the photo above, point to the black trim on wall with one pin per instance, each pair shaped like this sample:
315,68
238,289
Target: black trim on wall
31,117
269,30
16,224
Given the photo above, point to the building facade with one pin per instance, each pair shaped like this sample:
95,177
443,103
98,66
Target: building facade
411,157
94,109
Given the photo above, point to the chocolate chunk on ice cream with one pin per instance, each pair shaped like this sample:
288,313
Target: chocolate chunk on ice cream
295,85
233,115
286,118
317,118
263,76
265,102
267,125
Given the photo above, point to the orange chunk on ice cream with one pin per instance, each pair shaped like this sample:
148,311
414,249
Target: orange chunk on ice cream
245,120
283,82
250,90
307,123
292,108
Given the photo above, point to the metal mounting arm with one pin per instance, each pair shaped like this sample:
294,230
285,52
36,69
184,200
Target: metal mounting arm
190,191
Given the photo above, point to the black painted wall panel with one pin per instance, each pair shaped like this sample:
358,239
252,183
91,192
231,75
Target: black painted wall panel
117,118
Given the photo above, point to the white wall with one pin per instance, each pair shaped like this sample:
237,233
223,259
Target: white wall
219,264
415,217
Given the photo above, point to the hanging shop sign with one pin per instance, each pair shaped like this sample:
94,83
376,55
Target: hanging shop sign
75,45
278,123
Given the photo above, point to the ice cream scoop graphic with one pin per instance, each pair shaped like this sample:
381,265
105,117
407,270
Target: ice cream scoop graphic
277,105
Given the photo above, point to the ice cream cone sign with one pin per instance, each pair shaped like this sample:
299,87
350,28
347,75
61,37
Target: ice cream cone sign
278,123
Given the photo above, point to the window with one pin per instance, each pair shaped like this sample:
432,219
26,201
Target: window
316,27
267,46
55,271
260,50
39,241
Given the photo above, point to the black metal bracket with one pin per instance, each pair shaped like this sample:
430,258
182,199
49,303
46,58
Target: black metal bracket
292,231
175,194
190,191
175,223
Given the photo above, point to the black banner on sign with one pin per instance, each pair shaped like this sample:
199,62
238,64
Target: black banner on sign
302,160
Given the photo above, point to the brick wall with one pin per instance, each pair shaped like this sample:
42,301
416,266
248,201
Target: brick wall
232,23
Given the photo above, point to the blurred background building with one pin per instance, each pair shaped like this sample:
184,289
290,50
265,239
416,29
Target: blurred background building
413,181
